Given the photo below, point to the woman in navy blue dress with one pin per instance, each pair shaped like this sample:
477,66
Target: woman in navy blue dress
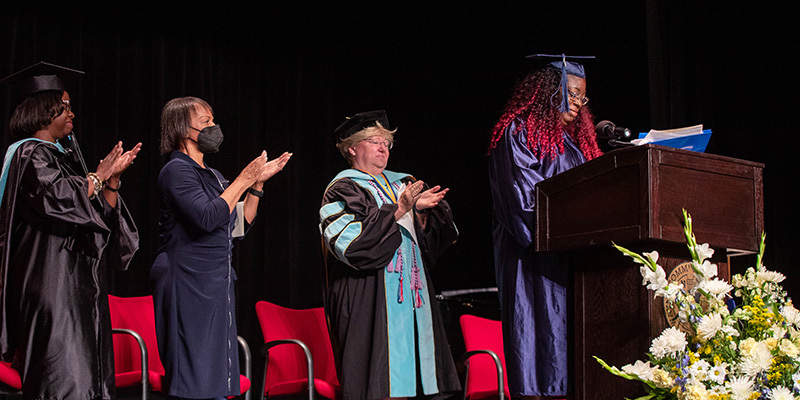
192,276
545,129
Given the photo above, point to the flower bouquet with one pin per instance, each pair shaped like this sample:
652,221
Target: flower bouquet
726,353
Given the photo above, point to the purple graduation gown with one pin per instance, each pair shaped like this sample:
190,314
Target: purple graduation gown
532,285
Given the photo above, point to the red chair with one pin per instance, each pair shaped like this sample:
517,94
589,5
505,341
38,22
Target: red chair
305,366
133,323
483,337
10,380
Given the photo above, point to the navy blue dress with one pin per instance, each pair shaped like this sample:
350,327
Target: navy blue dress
532,285
193,282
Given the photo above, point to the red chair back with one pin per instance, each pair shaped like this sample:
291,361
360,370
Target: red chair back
483,334
287,363
136,314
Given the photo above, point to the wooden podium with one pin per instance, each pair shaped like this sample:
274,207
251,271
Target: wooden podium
634,197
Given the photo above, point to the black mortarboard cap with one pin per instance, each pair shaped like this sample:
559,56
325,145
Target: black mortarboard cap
360,121
566,68
39,77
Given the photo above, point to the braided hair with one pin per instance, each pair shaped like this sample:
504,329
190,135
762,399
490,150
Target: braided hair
535,100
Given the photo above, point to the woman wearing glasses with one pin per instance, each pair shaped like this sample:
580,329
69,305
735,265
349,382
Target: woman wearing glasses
62,230
382,230
546,129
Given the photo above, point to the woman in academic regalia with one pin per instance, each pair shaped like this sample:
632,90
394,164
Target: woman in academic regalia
61,228
383,231
546,129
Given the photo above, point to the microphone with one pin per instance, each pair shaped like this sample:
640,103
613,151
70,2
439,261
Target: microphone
607,130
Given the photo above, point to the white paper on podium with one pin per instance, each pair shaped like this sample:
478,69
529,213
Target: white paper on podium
657,136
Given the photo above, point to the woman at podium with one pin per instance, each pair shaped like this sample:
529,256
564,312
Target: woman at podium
546,128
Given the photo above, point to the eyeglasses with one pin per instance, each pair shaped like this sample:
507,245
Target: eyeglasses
582,99
66,107
383,142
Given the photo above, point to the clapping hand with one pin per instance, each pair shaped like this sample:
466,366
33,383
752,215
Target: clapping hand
116,162
409,197
274,166
430,198
253,171
125,160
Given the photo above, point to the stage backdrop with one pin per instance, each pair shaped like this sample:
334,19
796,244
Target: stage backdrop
282,75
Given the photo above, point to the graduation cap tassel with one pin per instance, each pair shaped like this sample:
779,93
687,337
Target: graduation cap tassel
74,150
564,89
566,68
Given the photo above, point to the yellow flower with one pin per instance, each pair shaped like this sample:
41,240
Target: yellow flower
772,343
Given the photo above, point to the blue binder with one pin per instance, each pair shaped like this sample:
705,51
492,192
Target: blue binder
696,143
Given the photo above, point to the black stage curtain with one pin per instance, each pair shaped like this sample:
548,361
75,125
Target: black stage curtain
281,75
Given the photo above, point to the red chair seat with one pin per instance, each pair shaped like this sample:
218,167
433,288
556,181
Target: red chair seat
244,384
483,394
323,388
134,378
10,376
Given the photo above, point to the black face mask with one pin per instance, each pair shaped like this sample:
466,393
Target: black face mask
209,139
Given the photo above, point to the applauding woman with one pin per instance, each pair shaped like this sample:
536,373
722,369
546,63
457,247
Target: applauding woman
192,276
61,230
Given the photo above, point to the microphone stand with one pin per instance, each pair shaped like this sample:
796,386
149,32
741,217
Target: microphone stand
614,142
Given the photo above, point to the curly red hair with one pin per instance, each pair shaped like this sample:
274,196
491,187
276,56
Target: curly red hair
535,100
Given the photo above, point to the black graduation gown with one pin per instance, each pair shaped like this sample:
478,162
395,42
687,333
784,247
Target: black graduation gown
55,246
355,296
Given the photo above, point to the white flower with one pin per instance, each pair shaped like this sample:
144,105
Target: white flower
694,391
781,393
706,270
703,251
670,342
670,292
791,314
787,348
756,357
699,370
729,331
652,256
662,379
708,326
778,332
717,373
716,287
741,387
770,276
641,369
796,380
655,280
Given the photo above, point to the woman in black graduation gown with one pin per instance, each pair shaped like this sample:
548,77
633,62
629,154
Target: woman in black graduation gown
192,276
60,230
382,231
